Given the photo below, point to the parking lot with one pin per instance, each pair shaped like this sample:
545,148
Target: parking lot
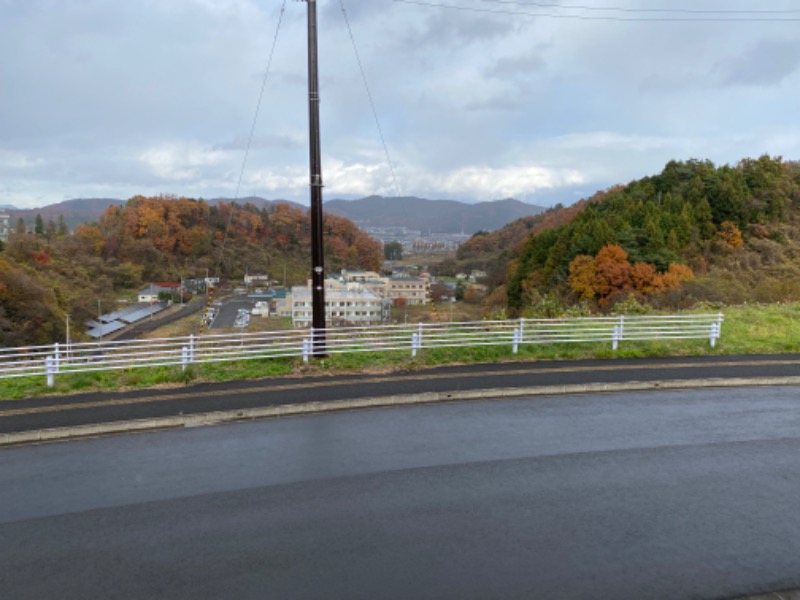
232,313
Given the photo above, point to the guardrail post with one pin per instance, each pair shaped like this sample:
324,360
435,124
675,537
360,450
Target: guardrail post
191,347
515,344
615,338
50,370
184,357
57,357
715,331
306,349
414,343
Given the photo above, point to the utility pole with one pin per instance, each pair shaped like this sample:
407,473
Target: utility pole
317,249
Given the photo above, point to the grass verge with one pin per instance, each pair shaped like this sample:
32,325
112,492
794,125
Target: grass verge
747,329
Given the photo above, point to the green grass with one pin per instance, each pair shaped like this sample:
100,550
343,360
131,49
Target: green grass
747,329
760,329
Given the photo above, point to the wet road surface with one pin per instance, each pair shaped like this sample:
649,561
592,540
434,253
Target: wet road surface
102,407
689,494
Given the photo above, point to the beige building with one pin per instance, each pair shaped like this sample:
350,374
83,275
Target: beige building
415,290
360,276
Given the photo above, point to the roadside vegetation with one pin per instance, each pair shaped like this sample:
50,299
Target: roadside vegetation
747,329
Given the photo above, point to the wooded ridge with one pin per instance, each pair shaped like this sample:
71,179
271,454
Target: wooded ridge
693,233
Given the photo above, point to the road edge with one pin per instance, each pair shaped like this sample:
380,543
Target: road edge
290,410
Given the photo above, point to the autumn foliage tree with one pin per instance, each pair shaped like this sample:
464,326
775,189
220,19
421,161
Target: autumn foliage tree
729,233
610,275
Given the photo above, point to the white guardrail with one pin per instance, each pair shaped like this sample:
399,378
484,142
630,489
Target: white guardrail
55,359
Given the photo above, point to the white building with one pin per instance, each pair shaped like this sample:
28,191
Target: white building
150,294
343,305
256,280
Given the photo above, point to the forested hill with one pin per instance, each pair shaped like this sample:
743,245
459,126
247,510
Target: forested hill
695,232
47,274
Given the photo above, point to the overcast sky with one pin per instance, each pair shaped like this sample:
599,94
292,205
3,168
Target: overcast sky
483,100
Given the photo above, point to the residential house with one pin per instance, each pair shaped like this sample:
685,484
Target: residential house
151,293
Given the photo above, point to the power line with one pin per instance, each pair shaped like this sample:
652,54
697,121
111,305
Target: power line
260,98
369,95
649,10
697,19
252,130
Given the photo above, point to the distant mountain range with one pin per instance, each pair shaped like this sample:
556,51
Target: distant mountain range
75,212
427,216
432,216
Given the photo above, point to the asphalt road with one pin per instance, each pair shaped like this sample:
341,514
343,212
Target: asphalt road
662,495
91,408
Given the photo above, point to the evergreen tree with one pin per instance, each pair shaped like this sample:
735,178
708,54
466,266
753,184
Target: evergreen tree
63,230
38,227
50,230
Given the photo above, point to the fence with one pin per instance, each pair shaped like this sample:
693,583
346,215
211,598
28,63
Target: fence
55,359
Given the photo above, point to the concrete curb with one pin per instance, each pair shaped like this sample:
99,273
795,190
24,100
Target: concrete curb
288,410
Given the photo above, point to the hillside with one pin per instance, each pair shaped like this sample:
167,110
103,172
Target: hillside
693,233
45,276
434,216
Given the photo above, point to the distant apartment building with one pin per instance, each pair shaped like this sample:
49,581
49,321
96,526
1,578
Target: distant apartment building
414,290
5,229
350,305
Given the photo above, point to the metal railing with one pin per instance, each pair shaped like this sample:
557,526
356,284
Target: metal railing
55,359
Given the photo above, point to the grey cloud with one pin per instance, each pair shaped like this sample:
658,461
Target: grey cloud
511,101
766,63
660,83
355,10
447,30
513,66
276,140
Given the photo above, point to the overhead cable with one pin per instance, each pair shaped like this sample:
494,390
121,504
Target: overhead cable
369,95
665,19
691,11
252,130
